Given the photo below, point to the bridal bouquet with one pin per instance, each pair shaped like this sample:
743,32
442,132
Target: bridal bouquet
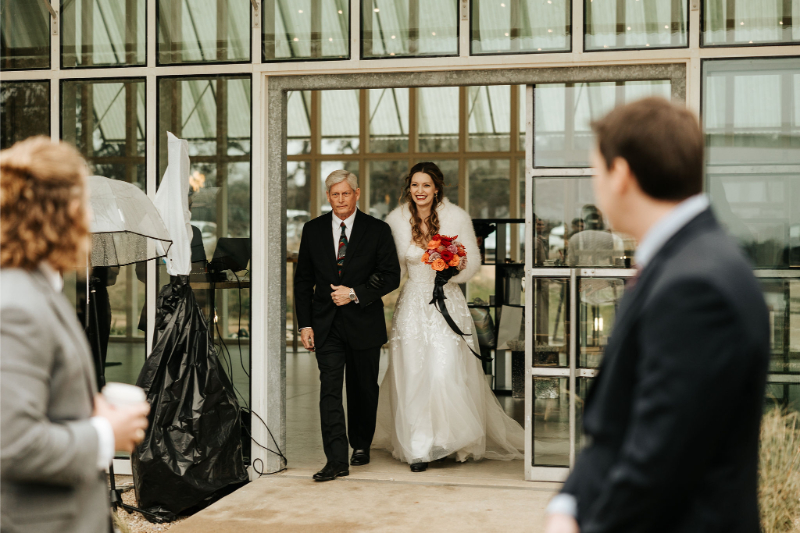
445,254
447,257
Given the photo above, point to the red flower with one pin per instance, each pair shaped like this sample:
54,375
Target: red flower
447,256
462,252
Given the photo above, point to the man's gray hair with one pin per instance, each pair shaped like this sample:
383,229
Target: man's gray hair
338,176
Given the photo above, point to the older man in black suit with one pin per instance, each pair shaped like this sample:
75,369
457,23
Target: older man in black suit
347,262
675,411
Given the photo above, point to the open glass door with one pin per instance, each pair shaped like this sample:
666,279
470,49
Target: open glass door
576,266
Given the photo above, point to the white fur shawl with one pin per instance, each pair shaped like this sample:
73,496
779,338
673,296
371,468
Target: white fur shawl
454,221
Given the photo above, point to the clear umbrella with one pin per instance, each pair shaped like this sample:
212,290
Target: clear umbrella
125,224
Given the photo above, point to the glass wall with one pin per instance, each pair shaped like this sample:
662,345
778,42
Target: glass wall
636,24
564,112
25,110
751,115
105,120
742,22
103,33
24,35
516,26
397,28
213,115
205,31
306,29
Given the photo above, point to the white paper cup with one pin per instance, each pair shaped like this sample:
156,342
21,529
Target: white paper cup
123,395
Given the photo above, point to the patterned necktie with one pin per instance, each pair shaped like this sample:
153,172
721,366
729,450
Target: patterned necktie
342,248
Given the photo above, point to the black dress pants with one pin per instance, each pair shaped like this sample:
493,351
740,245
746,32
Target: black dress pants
336,359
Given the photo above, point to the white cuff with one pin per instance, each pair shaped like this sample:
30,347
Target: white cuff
563,504
105,442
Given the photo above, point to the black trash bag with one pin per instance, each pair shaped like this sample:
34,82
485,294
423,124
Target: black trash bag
192,450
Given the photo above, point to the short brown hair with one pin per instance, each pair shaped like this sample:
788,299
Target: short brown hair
43,205
662,143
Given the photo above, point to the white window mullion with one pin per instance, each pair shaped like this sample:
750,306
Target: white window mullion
355,31
151,148
152,35
257,37
463,28
577,26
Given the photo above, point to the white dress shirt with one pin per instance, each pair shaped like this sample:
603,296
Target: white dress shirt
337,229
105,433
651,243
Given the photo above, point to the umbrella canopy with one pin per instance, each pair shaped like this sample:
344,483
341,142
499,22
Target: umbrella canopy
125,224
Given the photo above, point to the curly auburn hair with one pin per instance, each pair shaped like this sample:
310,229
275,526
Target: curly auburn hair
432,221
43,214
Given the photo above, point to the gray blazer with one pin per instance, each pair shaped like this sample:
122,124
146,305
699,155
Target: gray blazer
50,481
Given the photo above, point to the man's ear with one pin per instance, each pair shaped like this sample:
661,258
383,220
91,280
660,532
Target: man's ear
621,176
358,193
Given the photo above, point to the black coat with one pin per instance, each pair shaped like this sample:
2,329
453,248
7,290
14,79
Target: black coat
674,413
370,249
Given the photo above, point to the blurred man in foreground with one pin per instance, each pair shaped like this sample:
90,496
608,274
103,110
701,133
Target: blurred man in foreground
674,413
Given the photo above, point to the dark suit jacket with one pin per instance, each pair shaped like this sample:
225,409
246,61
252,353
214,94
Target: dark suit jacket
370,249
674,413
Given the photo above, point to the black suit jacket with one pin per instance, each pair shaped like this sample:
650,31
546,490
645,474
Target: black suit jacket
674,413
370,249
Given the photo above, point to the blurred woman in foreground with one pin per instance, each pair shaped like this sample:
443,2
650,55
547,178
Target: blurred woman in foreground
57,436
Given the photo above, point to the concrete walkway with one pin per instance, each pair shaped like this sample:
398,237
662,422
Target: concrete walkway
372,501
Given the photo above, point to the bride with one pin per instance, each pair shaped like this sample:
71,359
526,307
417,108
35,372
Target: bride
434,401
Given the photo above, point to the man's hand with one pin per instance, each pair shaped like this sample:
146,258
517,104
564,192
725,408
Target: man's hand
307,336
128,422
340,295
560,523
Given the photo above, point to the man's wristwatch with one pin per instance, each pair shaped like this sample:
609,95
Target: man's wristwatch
352,295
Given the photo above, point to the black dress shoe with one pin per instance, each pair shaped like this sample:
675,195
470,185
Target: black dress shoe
419,467
360,458
331,471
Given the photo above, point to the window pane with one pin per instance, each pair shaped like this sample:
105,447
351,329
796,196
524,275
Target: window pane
203,31
386,181
597,311
511,26
782,297
583,386
340,122
551,321
298,201
751,115
24,110
103,32
489,188
635,24
563,113
388,120
437,119
213,115
105,119
550,421
394,28
572,230
25,35
750,21
489,118
306,29
298,122
784,395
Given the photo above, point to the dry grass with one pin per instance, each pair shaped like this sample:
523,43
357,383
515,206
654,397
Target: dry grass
779,486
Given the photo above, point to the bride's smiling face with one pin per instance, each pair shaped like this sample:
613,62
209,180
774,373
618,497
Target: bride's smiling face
422,189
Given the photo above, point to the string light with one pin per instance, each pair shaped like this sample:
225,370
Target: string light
340,11
394,37
376,10
300,11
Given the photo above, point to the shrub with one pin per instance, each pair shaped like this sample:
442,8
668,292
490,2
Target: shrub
779,472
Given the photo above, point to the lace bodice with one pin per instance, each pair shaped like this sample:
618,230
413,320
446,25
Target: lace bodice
418,272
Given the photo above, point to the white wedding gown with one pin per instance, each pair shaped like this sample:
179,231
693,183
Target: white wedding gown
434,400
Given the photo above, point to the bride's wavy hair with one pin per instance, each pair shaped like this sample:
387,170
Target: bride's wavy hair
433,220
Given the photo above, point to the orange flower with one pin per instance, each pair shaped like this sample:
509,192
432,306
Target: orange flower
433,245
454,261
439,265
425,257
